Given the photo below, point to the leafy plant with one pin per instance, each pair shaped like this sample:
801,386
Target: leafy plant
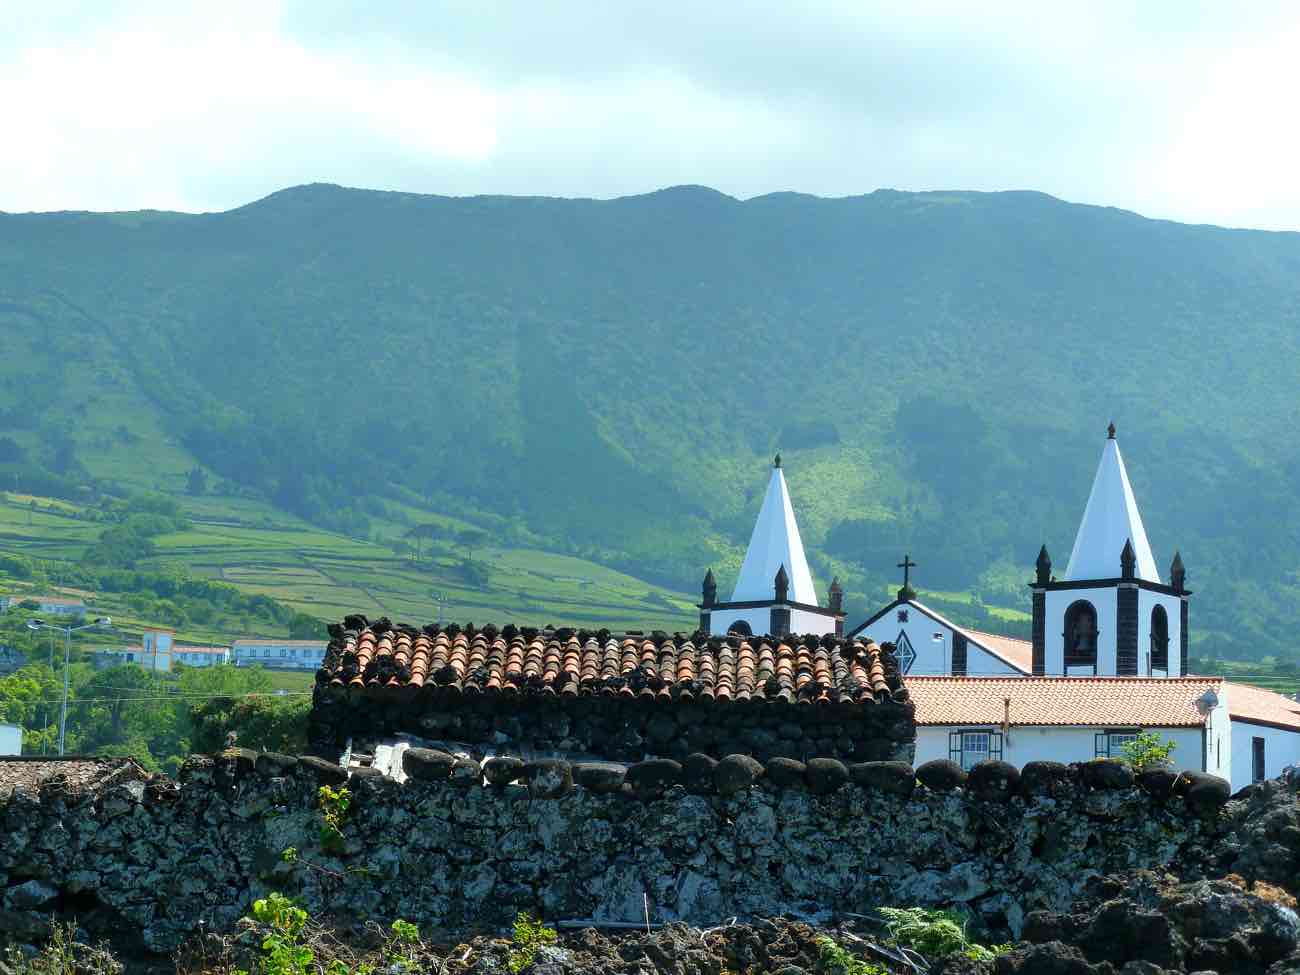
834,959
528,935
936,934
283,952
401,944
1148,750
334,805
62,955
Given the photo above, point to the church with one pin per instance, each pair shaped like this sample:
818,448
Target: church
1107,657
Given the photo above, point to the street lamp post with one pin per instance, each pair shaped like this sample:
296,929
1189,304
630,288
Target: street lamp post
67,632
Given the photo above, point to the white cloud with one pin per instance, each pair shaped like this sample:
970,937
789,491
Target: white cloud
1168,109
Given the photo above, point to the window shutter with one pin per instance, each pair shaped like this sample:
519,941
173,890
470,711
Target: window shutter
954,746
1101,745
995,746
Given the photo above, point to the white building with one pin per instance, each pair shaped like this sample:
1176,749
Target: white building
46,605
1241,733
279,654
11,739
928,644
158,652
774,592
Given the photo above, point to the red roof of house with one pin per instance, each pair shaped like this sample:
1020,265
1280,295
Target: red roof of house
1102,701
1258,706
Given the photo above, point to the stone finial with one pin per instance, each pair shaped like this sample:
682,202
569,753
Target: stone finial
1110,431
776,461
836,596
782,584
1043,567
710,589
1177,573
1127,560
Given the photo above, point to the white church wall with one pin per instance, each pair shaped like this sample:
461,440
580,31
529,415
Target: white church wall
801,622
1147,602
934,657
759,620
1022,744
1104,601
1281,748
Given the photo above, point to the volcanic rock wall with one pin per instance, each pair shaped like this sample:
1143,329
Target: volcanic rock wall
155,859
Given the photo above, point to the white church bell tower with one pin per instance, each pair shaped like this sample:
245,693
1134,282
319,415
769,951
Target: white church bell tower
774,593
1111,614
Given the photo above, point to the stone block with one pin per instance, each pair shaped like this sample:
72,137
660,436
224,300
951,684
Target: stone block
1046,778
993,781
328,773
271,764
601,777
736,773
825,775
786,773
941,775
466,770
892,778
502,769
649,779
427,764
1159,782
548,778
697,773
1106,773
1203,793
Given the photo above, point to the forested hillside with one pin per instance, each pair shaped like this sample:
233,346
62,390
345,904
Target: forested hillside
611,378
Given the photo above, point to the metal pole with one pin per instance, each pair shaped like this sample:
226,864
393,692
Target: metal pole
63,714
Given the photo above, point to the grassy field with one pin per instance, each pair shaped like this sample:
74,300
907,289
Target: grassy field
328,575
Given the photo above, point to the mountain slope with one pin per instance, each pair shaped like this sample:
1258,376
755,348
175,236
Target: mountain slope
611,377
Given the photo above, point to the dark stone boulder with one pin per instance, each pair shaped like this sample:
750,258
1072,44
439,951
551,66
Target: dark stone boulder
548,778
651,778
328,773
786,773
1046,779
466,770
1203,793
941,775
661,728
697,773
1050,958
502,769
993,781
427,764
891,778
602,777
825,775
272,764
1106,773
1157,782
736,773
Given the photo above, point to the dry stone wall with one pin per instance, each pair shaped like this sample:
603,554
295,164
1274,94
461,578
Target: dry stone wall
458,846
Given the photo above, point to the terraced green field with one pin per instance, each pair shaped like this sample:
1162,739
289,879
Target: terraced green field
328,575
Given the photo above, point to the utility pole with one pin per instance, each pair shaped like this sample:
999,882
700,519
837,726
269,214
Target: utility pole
67,632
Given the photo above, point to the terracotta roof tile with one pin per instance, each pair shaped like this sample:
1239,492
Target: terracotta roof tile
380,660
1101,701
1256,705
1019,653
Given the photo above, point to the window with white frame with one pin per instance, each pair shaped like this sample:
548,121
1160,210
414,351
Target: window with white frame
1110,743
969,747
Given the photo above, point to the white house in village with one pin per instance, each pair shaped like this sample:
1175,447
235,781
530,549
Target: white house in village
774,593
276,654
46,605
1108,657
159,652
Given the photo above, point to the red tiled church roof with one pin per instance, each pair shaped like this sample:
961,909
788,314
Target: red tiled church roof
399,661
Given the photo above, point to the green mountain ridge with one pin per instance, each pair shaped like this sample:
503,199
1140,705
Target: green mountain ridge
609,378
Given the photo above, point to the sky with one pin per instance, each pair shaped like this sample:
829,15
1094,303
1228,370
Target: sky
1176,110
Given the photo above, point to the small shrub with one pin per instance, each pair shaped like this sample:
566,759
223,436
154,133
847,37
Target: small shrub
1148,750
63,955
283,952
334,804
834,959
935,934
528,935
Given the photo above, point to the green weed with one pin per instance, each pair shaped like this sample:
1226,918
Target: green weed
834,959
528,935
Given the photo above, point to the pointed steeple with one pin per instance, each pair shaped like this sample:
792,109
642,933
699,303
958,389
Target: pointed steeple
1127,560
709,589
1178,574
1110,519
775,544
835,603
1043,567
781,585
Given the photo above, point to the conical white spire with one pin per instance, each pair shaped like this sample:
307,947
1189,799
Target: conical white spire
1110,520
775,543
